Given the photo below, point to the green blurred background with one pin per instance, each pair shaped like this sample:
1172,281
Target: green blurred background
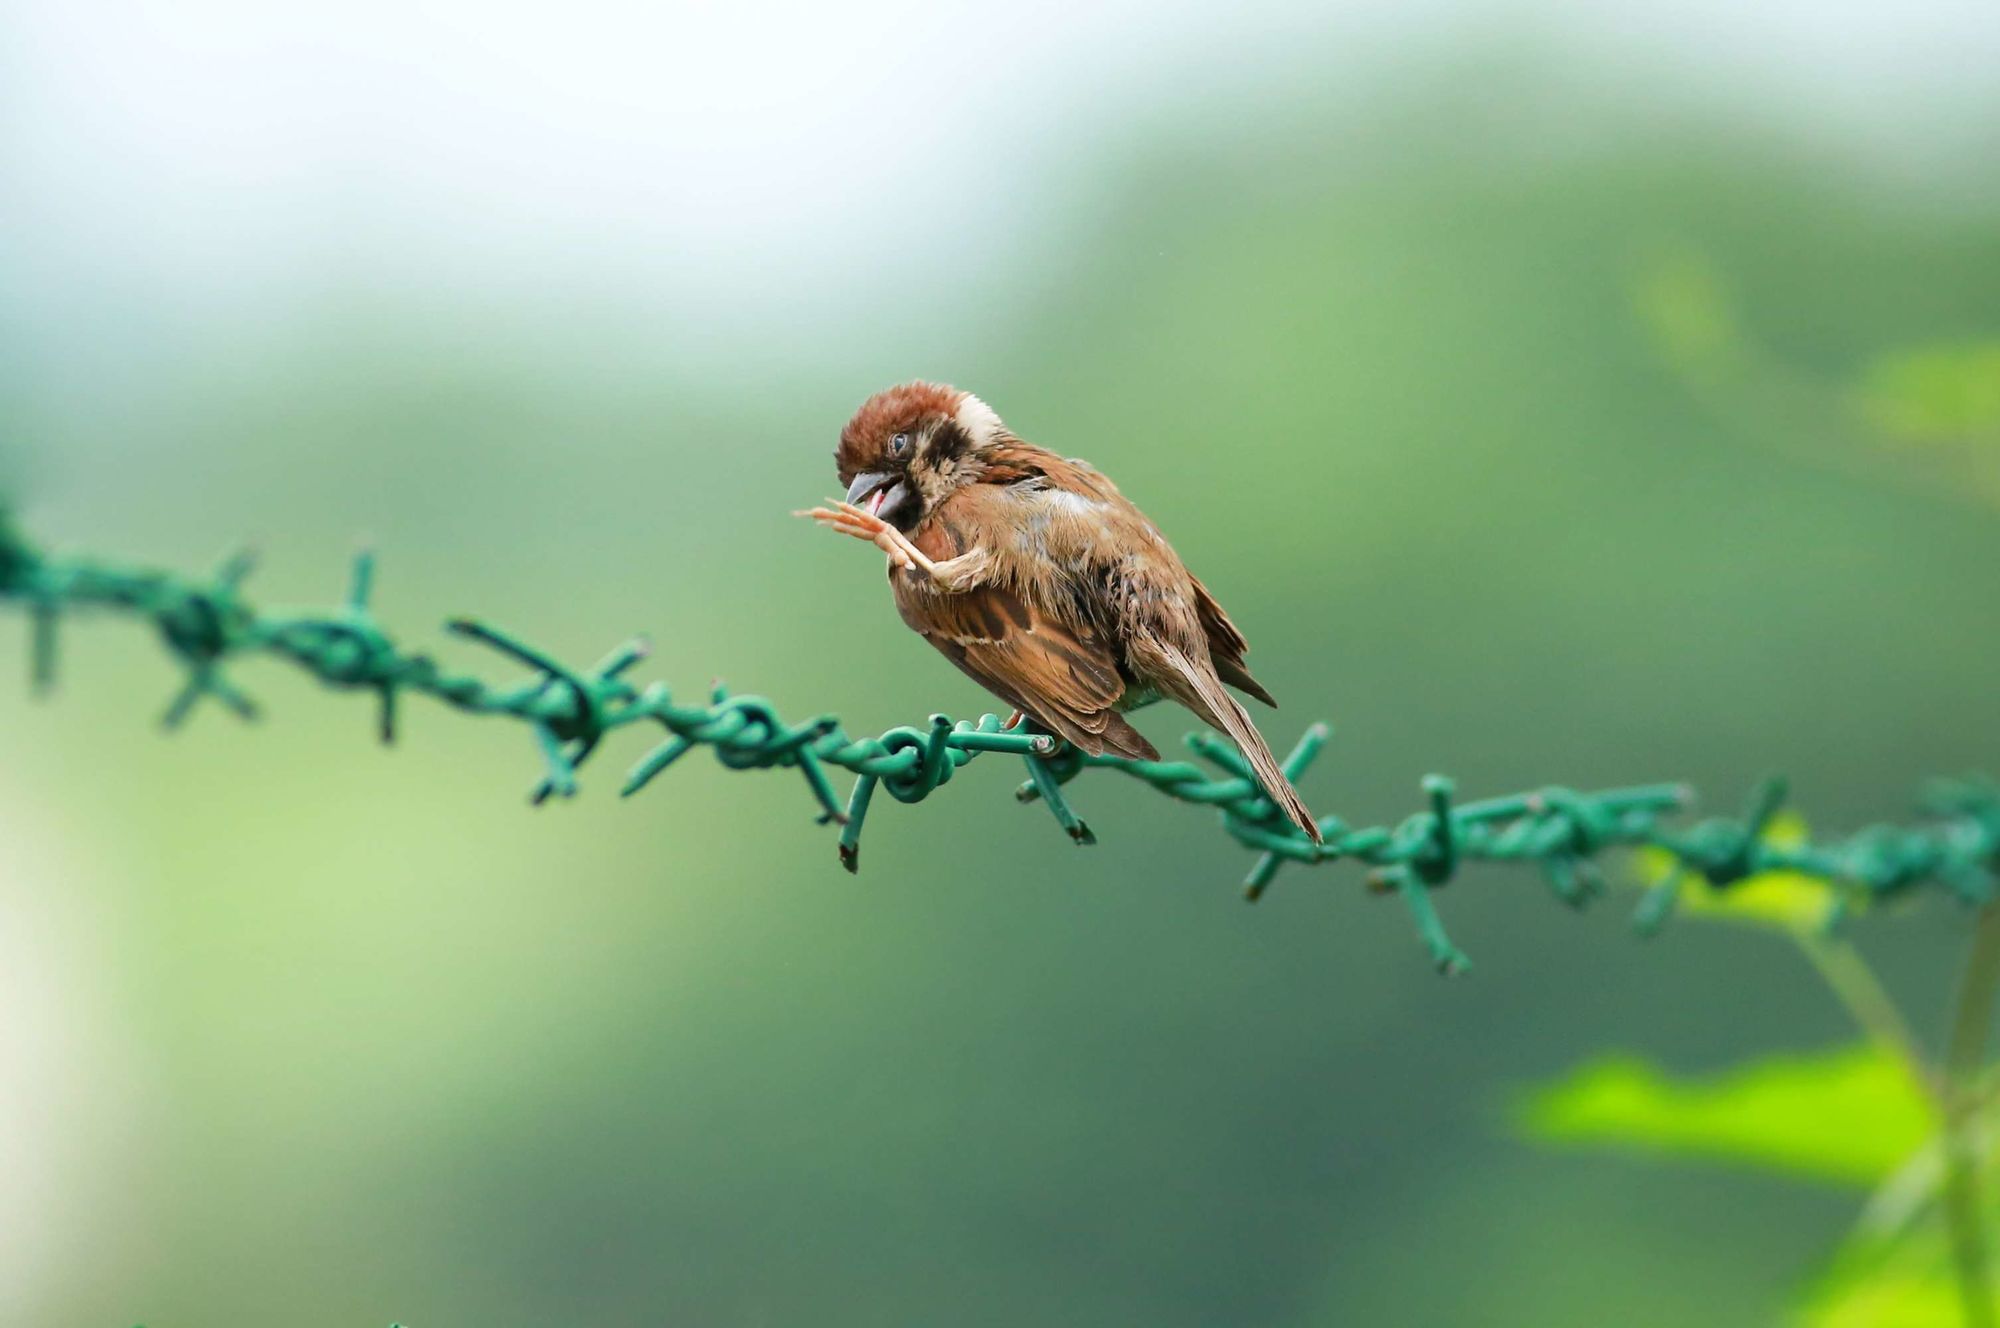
1504,370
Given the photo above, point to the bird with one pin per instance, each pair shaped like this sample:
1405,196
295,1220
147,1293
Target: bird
1035,576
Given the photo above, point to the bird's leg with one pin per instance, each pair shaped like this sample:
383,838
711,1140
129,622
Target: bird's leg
960,573
847,519
1013,719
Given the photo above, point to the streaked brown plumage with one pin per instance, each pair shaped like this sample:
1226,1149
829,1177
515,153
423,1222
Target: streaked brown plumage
1034,575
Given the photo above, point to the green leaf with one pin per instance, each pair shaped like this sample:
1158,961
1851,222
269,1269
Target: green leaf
1850,1115
1908,1282
1902,1275
1891,1298
1944,393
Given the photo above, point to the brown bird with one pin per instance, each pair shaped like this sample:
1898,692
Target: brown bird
1034,575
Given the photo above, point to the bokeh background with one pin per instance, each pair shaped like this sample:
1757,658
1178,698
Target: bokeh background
1529,380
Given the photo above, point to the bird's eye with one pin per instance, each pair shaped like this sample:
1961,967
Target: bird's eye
899,444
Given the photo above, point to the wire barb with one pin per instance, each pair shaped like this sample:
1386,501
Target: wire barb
207,625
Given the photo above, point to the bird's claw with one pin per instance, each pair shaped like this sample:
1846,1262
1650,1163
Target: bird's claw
846,519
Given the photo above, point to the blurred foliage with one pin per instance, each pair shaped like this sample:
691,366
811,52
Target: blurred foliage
1873,1114
1947,394
1945,400
1901,1279
1851,1115
1887,1299
1935,405
1861,1115
1682,300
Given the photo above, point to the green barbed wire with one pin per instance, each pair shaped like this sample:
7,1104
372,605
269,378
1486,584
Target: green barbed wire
206,624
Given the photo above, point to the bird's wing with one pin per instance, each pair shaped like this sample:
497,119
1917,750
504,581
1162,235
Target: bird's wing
1226,645
1113,522
1064,674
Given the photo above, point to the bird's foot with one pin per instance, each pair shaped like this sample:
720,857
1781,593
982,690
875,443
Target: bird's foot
846,519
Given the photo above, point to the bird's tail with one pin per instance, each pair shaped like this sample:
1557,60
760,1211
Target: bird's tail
1196,686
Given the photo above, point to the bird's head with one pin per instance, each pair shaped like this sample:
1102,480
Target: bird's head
909,447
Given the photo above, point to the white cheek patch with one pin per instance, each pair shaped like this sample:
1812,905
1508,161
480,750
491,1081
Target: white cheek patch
977,419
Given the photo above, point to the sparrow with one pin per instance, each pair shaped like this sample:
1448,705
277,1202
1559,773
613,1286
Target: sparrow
1037,578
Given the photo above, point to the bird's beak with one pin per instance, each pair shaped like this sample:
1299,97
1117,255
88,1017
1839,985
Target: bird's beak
878,493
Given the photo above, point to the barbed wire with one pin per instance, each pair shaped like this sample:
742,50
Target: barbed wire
206,624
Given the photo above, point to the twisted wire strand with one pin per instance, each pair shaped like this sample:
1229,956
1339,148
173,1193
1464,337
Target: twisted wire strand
206,624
